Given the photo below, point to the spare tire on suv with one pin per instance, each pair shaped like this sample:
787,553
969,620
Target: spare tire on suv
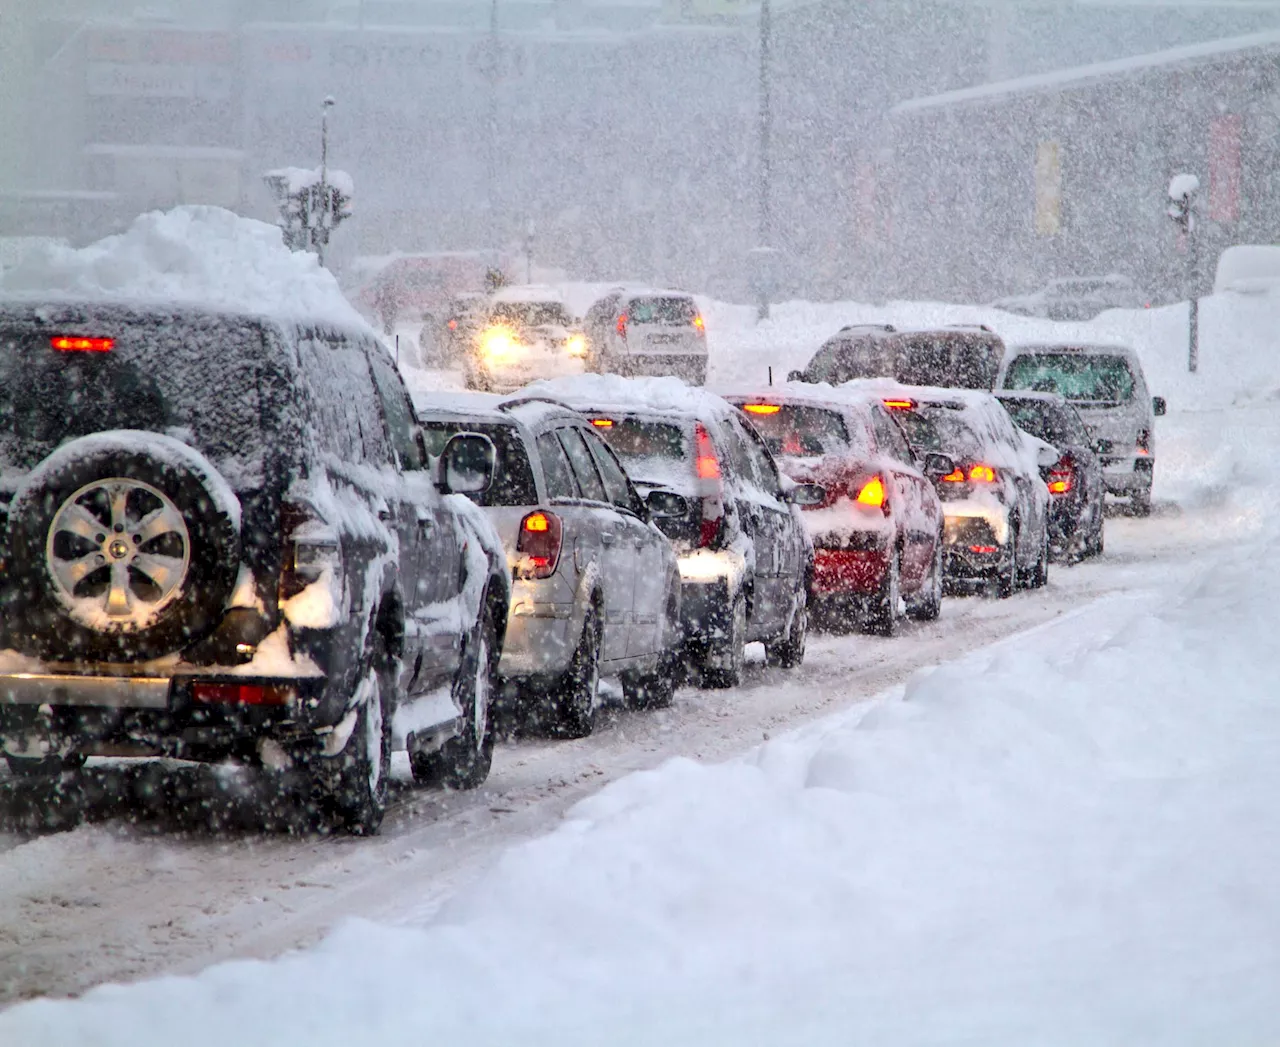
121,546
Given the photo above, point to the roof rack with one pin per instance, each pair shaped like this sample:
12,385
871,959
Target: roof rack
889,328
509,405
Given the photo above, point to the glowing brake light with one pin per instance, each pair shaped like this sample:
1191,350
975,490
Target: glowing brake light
761,408
1062,477
708,464
872,493
956,476
700,323
622,325
602,423
982,474
453,325
73,344
1144,441
538,546
900,405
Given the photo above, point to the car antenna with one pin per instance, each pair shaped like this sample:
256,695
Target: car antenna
770,377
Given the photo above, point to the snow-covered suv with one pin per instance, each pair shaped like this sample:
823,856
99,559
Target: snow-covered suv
222,538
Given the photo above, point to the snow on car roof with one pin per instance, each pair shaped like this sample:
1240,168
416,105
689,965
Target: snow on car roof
437,403
1084,348
613,392
192,255
816,393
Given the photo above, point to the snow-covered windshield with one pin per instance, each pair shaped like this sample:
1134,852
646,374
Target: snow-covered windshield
1095,377
800,431
668,310
201,375
941,429
530,314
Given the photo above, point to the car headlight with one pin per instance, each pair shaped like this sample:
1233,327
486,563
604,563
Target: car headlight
499,345
576,345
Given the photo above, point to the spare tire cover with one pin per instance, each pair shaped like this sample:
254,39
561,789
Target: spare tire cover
120,546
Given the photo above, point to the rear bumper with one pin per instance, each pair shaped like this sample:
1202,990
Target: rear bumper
680,363
706,609
971,548
855,572
1125,476
540,640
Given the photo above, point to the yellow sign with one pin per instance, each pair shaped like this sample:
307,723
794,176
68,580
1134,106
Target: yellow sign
1048,188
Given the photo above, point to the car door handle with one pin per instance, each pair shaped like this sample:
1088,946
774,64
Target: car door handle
607,537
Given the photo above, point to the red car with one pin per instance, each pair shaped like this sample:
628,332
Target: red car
877,535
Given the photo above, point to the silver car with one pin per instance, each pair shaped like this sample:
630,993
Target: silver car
647,333
1108,388
596,587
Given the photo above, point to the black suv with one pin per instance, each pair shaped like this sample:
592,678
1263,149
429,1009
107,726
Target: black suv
221,537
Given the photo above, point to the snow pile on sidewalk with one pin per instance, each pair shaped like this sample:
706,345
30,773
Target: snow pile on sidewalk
1070,839
192,254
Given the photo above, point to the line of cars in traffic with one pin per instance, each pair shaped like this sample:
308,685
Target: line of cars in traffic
516,334
250,543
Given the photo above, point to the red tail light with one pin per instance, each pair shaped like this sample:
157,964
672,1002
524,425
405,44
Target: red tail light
64,343
242,693
872,493
539,545
761,408
453,325
956,476
1062,477
1144,441
622,325
708,464
700,324
709,532
900,405
982,474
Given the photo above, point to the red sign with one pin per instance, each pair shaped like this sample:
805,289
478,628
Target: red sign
1224,168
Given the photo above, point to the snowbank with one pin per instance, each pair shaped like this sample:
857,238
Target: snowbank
202,255
1071,839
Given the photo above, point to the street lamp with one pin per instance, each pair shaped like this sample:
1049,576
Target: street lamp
762,253
1183,189
325,197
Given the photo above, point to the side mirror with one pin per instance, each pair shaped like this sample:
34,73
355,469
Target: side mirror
795,376
806,495
467,464
1158,406
938,465
663,505
1046,456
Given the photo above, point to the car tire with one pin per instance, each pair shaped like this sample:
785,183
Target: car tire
882,613
1006,581
45,766
574,696
464,761
354,784
1140,502
652,690
728,651
1096,540
929,606
74,486
1039,574
788,651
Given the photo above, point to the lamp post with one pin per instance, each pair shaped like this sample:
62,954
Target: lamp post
1183,191
764,166
325,197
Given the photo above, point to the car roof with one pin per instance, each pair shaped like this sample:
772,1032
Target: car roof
1081,348
816,394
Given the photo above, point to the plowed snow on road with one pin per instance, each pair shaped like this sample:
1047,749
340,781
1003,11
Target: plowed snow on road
148,876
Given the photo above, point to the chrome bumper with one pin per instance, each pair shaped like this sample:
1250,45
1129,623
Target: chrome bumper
111,692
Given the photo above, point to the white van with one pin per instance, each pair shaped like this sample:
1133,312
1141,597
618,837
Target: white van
644,332
1107,386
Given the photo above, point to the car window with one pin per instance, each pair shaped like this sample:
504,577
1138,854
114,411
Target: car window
671,311
530,314
513,482
797,430
889,438
345,401
731,444
555,467
583,465
397,412
615,480
762,462
1088,377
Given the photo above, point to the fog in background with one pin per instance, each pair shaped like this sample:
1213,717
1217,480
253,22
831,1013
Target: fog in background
627,132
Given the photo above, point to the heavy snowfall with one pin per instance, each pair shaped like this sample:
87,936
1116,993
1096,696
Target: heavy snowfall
1046,818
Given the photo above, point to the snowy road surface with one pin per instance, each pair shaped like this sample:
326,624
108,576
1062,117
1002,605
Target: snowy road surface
114,901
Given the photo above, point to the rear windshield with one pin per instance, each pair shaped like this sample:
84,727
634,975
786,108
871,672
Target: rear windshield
662,311
949,361
657,452
939,429
203,379
1049,422
841,360
513,482
1082,377
798,431
530,314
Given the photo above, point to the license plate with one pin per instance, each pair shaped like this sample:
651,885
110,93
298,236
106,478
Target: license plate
664,339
